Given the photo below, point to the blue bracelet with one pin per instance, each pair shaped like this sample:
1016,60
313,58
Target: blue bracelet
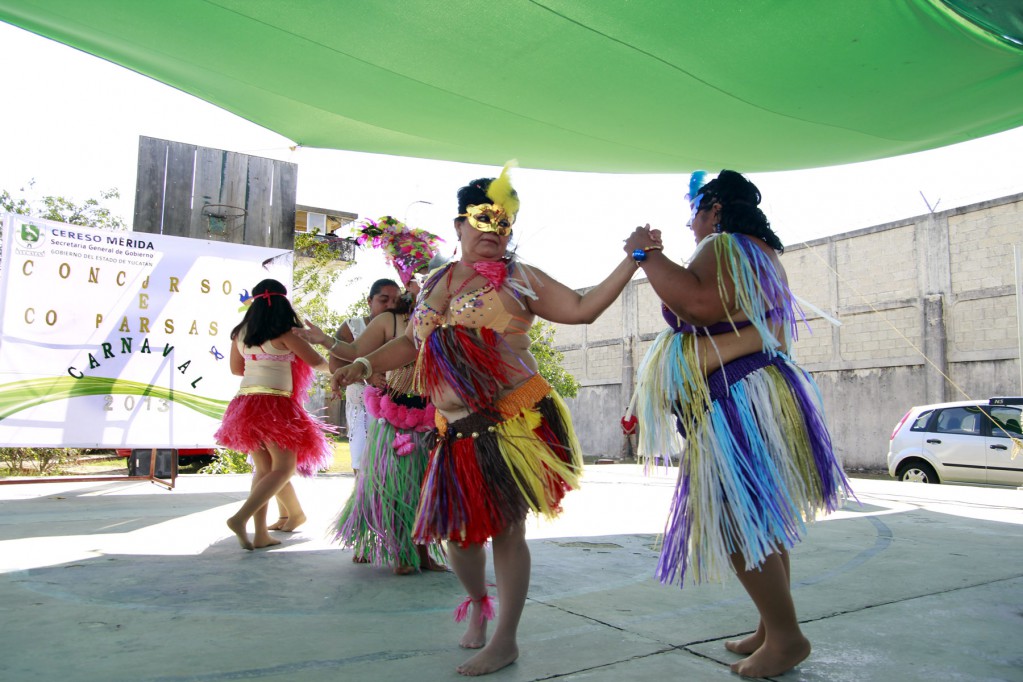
639,255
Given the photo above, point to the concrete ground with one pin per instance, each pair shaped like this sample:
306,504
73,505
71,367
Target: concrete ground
129,581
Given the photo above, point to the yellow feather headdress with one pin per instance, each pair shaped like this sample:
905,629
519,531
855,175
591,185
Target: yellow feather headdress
502,193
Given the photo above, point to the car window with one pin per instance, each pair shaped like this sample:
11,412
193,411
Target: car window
960,420
1006,422
921,422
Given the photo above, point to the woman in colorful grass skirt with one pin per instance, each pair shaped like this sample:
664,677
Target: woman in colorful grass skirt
505,444
266,418
378,518
758,461
383,295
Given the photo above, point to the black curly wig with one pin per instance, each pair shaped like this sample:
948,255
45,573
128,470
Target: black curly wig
740,212
473,194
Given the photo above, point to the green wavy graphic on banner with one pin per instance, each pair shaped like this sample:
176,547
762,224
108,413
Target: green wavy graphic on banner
20,395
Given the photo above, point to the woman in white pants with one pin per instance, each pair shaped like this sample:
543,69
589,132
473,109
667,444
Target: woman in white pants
383,295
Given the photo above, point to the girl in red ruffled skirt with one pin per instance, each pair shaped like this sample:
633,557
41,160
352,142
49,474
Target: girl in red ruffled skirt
266,418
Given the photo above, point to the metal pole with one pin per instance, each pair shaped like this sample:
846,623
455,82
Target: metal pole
1017,254
429,203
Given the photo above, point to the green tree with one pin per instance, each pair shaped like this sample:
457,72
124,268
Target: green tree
90,213
549,358
317,269
359,308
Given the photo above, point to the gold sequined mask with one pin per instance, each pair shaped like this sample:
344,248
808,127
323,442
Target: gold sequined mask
489,218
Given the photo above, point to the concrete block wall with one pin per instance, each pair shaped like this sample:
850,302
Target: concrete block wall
983,324
880,337
928,314
875,266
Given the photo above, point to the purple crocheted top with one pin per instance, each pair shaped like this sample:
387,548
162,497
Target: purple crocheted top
710,330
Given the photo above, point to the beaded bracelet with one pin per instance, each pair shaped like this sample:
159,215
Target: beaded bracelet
639,255
367,367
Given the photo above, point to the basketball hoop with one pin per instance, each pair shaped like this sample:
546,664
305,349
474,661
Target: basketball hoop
222,218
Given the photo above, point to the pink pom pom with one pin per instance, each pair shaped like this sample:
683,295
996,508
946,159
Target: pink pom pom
486,603
403,444
372,400
486,608
462,610
427,420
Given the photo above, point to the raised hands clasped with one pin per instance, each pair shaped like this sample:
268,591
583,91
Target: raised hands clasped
641,238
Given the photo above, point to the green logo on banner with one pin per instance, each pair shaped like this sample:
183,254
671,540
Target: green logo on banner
30,236
29,233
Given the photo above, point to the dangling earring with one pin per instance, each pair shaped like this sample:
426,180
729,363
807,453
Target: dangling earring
717,227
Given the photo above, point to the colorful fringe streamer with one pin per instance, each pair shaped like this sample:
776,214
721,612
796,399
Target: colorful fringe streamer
760,292
758,466
466,360
485,475
378,518
758,461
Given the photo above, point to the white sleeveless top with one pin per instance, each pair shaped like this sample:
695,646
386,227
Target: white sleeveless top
357,325
353,392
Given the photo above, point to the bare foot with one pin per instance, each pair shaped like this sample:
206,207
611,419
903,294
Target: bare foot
426,562
771,659
404,569
493,657
475,636
359,559
266,540
237,527
294,522
746,645
278,524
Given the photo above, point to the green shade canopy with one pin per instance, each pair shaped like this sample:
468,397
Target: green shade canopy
583,85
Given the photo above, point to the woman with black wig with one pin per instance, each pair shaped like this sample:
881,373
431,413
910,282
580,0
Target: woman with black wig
505,445
758,462
266,418
378,518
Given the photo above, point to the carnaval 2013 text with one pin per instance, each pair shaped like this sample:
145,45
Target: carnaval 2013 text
91,274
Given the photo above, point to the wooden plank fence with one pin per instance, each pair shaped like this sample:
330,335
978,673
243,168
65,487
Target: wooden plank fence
189,191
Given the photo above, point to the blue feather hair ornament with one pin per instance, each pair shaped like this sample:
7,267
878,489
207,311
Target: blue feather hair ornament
694,197
696,181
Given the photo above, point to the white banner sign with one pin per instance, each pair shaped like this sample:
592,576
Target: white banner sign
119,339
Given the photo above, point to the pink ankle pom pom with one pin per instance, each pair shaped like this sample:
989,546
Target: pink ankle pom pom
486,603
486,608
462,610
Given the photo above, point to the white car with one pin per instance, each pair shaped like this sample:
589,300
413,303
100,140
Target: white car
964,442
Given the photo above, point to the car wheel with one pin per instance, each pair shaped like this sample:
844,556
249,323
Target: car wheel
919,472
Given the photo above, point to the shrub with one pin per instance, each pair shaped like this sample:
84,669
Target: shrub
38,461
228,462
